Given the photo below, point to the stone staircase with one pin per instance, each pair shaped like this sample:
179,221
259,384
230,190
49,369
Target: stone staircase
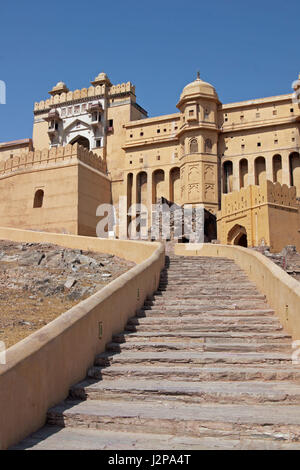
205,364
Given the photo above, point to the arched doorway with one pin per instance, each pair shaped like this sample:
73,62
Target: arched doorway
237,236
241,240
80,140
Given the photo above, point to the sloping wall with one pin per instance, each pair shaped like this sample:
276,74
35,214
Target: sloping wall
41,368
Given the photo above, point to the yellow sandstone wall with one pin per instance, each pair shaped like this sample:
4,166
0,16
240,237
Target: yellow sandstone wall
268,213
93,189
73,182
15,147
41,368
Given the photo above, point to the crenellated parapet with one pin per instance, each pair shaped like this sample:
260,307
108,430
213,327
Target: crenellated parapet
121,88
264,215
281,194
40,158
83,94
251,196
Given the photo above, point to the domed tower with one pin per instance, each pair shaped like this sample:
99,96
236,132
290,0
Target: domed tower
198,137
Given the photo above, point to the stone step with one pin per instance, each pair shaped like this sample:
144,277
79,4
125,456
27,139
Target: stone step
278,422
203,373
192,392
188,289
204,362
201,276
192,357
153,317
255,337
219,303
215,310
191,326
203,282
56,438
199,295
200,345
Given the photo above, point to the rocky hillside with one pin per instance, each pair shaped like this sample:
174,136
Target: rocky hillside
38,282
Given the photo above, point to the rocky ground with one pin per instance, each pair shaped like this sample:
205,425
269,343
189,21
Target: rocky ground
288,259
38,282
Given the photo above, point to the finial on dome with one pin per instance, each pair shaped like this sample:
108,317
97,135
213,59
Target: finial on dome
198,75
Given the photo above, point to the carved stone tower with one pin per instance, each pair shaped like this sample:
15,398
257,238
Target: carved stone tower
198,138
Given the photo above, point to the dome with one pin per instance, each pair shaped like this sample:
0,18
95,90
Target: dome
60,87
100,79
198,87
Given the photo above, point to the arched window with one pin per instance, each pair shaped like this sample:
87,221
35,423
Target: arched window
259,170
38,198
227,177
193,146
295,170
208,146
277,169
243,173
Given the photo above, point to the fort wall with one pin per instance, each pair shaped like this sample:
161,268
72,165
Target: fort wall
41,368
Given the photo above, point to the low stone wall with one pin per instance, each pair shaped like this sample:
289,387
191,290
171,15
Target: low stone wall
281,290
41,368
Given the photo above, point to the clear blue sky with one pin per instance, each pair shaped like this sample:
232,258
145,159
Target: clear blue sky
245,49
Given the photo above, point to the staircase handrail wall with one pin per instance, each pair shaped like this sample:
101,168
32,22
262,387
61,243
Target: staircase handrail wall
40,369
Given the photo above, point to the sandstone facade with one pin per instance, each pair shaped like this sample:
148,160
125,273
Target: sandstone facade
191,157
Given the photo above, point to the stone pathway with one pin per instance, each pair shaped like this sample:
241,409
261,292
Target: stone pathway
205,364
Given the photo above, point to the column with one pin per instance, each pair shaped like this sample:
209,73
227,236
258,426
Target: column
269,167
285,167
149,196
236,174
251,175
133,202
167,183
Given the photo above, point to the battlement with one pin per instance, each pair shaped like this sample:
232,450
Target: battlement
84,93
267,192
28,160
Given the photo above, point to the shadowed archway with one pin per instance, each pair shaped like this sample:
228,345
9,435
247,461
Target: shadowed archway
80,140
237,236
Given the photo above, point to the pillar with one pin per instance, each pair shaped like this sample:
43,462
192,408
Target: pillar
285,159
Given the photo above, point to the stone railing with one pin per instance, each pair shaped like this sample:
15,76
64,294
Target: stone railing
91,92
26,161
40,369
